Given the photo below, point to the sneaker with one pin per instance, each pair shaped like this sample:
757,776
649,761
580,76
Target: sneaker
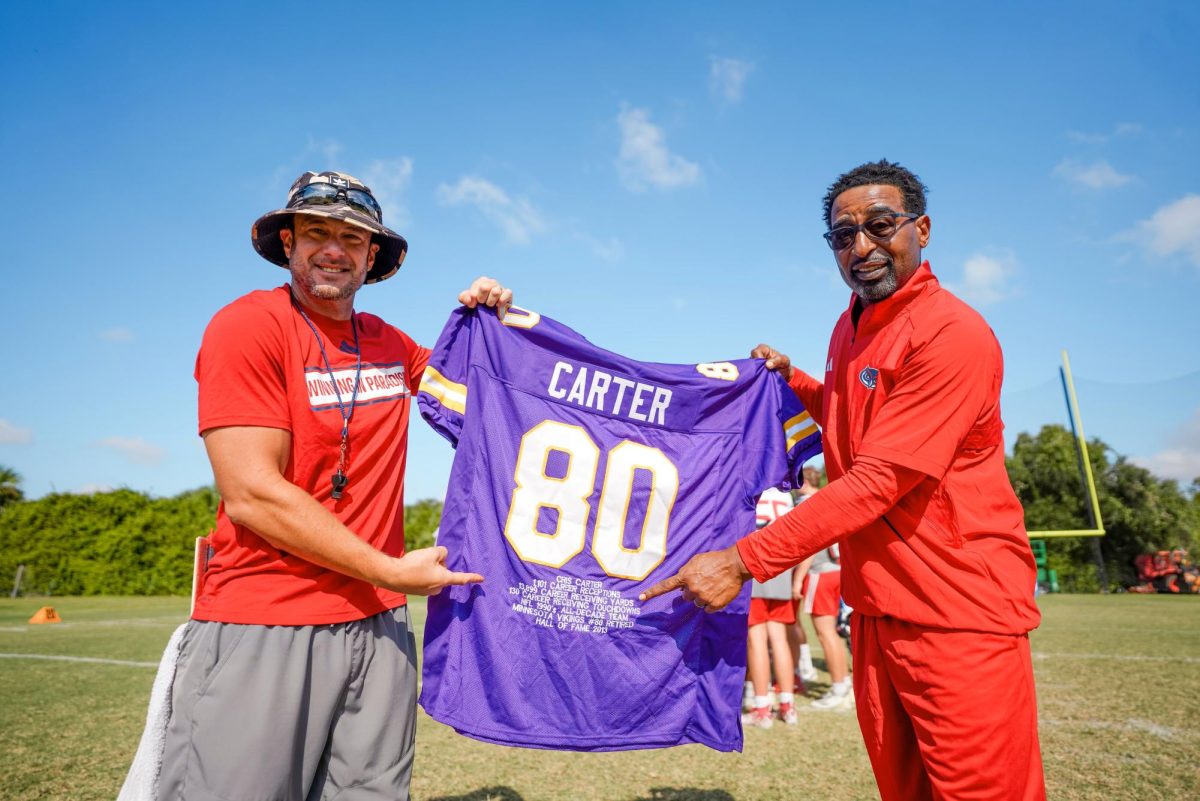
833,702
808,674
759,717
787,713
801,684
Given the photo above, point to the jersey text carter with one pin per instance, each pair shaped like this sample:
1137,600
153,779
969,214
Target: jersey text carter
591,389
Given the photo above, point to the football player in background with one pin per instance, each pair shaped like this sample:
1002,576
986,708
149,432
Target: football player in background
821,592
797,638
772,615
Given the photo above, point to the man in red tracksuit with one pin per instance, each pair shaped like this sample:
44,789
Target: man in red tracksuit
935,558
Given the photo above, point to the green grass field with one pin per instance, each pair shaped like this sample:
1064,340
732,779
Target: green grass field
1118,684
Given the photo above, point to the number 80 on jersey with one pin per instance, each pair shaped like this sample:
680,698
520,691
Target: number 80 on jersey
569,496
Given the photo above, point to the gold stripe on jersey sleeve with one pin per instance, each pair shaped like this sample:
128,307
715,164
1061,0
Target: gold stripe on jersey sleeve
797,428
803,417
449,393
799,435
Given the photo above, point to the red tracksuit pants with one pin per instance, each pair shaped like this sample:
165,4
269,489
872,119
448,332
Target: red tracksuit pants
946,714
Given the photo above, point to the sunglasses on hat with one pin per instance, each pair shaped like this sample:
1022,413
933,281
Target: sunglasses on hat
323,194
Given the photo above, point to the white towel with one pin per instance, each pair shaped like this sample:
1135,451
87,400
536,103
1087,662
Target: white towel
141,783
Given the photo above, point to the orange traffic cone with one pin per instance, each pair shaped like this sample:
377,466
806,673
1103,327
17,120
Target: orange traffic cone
46,615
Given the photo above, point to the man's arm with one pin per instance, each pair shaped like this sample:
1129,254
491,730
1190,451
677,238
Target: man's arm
798,578
861,496
248,464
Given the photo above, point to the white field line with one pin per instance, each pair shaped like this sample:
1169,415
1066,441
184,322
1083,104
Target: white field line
91,659
1187,660
131,621
1131,725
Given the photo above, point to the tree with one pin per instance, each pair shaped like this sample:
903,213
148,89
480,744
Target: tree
420,522
10,490
1141,513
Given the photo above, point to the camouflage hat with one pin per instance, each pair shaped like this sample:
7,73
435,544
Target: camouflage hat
340,197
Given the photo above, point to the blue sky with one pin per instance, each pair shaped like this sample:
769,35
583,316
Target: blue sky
648,174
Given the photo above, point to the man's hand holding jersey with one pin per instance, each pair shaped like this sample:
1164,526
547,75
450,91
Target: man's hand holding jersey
776,361
489,292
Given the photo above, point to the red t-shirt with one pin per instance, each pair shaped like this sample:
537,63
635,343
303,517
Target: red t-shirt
261,365
917,384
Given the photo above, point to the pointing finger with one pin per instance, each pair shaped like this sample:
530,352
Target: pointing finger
662,587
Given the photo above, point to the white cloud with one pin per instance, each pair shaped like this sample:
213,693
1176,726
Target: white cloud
610,249
91,489
389,180
135,449
644,158
986,279
327,149
517,218
1182,460
325,154
726,76
1098,175
120,334
1172,230
14,435
1119,130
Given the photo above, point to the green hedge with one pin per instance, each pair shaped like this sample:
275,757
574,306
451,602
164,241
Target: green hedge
124,542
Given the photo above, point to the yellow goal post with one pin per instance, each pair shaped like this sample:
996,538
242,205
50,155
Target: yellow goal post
1085,464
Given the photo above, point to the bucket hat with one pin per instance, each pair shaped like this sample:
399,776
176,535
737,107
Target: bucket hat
340,197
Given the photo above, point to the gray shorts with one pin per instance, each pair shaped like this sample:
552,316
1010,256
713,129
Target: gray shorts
293,713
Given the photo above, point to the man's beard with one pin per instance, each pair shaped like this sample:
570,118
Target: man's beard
316,289
873,291
326,292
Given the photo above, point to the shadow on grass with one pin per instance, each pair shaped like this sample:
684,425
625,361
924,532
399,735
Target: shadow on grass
484,794
685,794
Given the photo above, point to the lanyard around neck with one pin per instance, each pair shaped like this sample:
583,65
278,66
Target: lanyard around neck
339,478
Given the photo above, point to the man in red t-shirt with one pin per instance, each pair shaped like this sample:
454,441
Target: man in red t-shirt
296,677
935,559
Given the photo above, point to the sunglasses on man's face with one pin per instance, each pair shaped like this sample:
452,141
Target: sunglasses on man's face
880,229
328,195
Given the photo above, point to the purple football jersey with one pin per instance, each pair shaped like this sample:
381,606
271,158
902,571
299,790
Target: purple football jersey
582,477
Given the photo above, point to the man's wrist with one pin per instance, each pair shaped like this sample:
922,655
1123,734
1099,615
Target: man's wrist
383,570
735,559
